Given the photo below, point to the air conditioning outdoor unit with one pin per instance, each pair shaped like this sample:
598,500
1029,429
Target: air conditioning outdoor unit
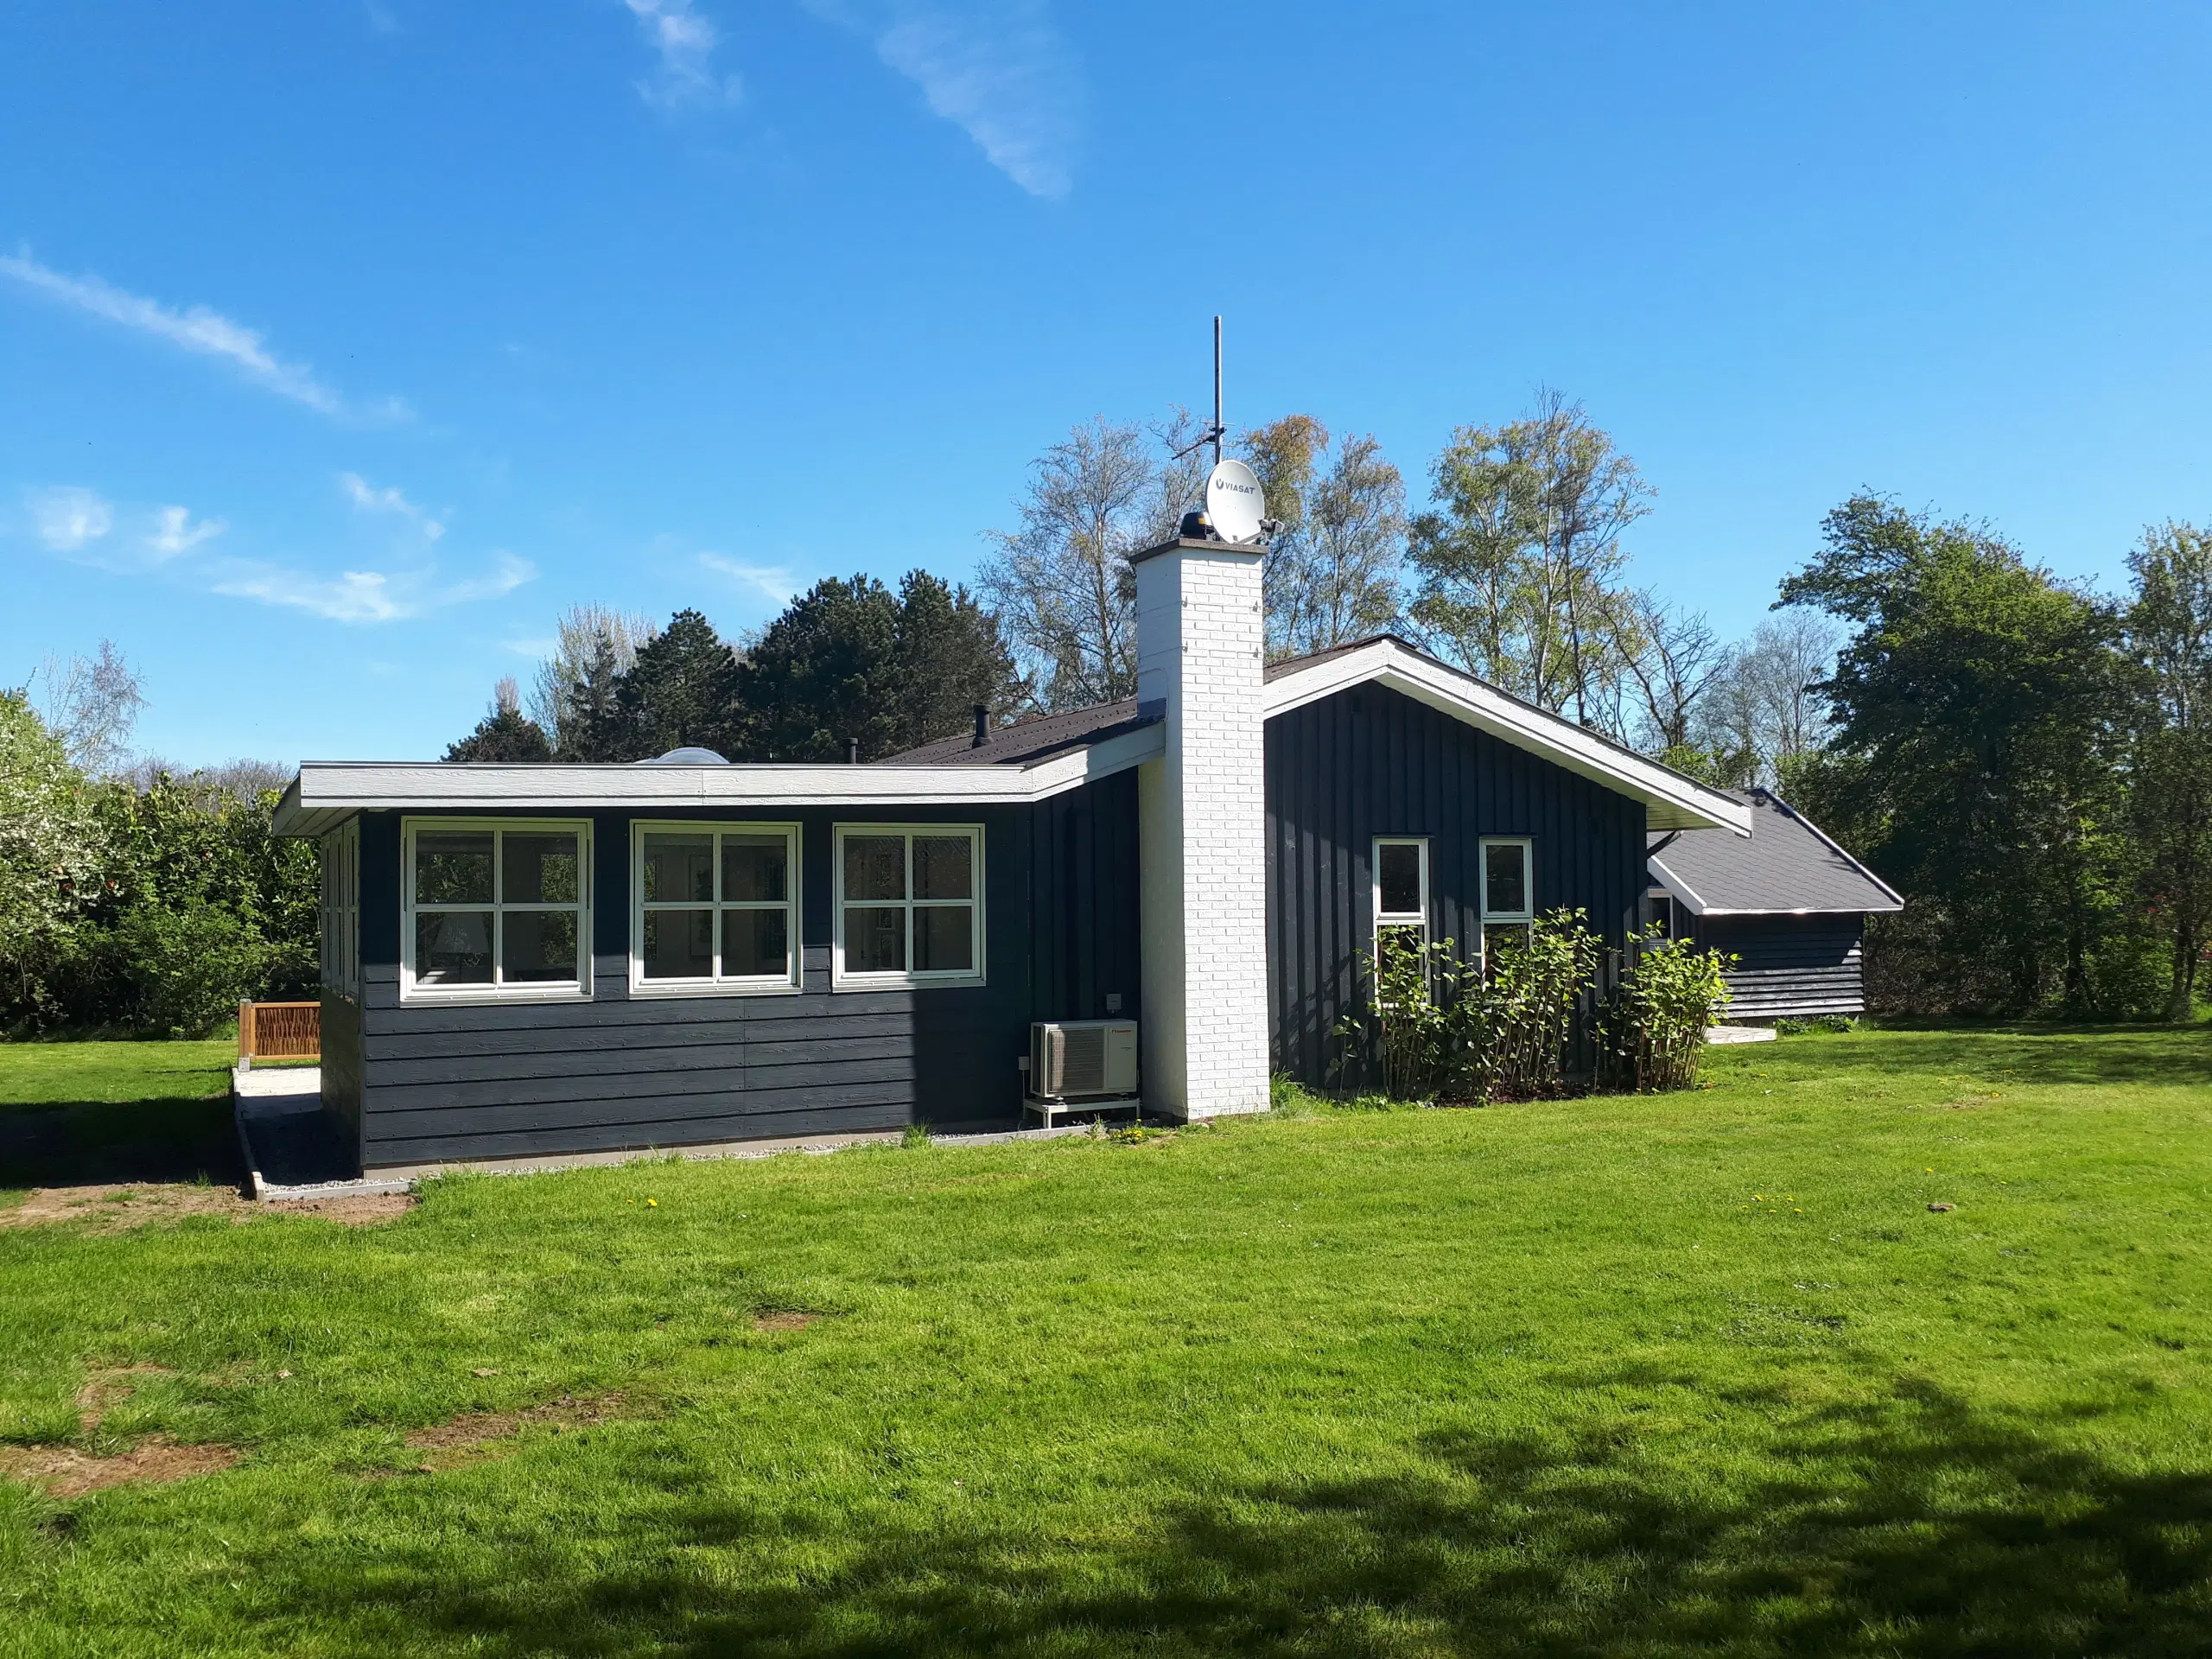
1074,1060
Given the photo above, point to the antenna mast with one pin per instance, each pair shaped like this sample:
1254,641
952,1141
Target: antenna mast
1217,392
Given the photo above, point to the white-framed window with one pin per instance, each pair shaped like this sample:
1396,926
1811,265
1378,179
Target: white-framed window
714,909
909,904
1509,888
495,910
341,911
1400,879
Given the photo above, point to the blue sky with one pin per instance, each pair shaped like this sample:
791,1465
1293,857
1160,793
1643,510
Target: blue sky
344,345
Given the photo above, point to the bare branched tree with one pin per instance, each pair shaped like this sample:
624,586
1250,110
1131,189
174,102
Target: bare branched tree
1062,586
1672,661
1763,711
595,645
91,704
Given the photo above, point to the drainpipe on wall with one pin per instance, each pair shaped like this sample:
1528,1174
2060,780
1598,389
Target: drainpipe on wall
1202,829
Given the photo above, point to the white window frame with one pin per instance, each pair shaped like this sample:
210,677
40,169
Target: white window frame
1397,917
1525,918
535,990
906,978
341,911
787,984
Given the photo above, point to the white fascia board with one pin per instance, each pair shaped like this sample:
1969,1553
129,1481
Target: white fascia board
327,792
1671,801
1675,884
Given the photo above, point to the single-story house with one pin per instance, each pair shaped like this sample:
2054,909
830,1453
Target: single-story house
1788,902
531,960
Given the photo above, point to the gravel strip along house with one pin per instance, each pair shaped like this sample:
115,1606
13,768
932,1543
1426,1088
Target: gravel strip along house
533,961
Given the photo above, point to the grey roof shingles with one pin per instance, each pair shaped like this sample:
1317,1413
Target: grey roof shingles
1026,741
1788,866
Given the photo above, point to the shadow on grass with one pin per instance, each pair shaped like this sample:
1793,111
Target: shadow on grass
1914,1528
2041,1054
84,1143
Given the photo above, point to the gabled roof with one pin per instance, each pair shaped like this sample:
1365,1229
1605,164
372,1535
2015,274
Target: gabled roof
1787,866
1028,741
1671,800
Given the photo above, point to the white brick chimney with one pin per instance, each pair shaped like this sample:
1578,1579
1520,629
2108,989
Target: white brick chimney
1202,830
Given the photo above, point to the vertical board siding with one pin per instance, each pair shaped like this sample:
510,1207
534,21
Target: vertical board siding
1789,964
438,1080
1084,901
1367,762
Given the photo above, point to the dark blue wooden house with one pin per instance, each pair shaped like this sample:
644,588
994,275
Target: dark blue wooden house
531,960
1786,901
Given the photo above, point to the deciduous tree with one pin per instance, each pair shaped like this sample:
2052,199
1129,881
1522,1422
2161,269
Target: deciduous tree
2169,636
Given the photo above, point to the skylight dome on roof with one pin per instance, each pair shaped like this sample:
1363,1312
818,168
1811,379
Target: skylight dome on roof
686,757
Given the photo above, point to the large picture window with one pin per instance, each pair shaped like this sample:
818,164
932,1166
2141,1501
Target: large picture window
716,909
909,904
497,910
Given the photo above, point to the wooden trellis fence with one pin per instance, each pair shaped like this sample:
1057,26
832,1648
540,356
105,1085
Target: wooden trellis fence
279,1030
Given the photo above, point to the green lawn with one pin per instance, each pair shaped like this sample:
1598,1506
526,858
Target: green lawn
1698,1374
86,1112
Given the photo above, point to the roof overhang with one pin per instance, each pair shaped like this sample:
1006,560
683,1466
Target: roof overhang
327,792
1688,897
1671,801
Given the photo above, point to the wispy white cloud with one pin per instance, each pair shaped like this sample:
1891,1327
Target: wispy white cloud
67,518
685,38
999,71
175,533
370,595
772,581
368,498
199,329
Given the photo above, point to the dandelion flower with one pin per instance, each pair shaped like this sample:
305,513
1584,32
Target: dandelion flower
653,1203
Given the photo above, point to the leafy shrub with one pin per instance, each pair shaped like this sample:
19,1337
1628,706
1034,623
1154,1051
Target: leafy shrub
1656,1023
189,968
1444,1028
1791,1026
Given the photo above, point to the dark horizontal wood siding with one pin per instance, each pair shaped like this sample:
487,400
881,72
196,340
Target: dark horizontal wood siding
1369,762
1790,965
342,1064
443,1081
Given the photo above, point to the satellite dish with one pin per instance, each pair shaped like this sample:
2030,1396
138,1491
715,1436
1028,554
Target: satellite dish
1233,501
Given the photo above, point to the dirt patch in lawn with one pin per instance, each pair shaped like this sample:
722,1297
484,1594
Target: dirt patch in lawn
477,1434
64,1472
784,1319
124,1209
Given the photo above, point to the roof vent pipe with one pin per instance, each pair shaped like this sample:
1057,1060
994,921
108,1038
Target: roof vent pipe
982,725
852,751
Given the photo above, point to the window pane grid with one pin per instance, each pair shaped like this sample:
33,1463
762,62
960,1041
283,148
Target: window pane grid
908,904
703,936
474,937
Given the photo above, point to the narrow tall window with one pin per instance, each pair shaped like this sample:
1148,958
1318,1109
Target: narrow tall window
1401,894
495,909
1508,882
718,908
341,910
909,904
